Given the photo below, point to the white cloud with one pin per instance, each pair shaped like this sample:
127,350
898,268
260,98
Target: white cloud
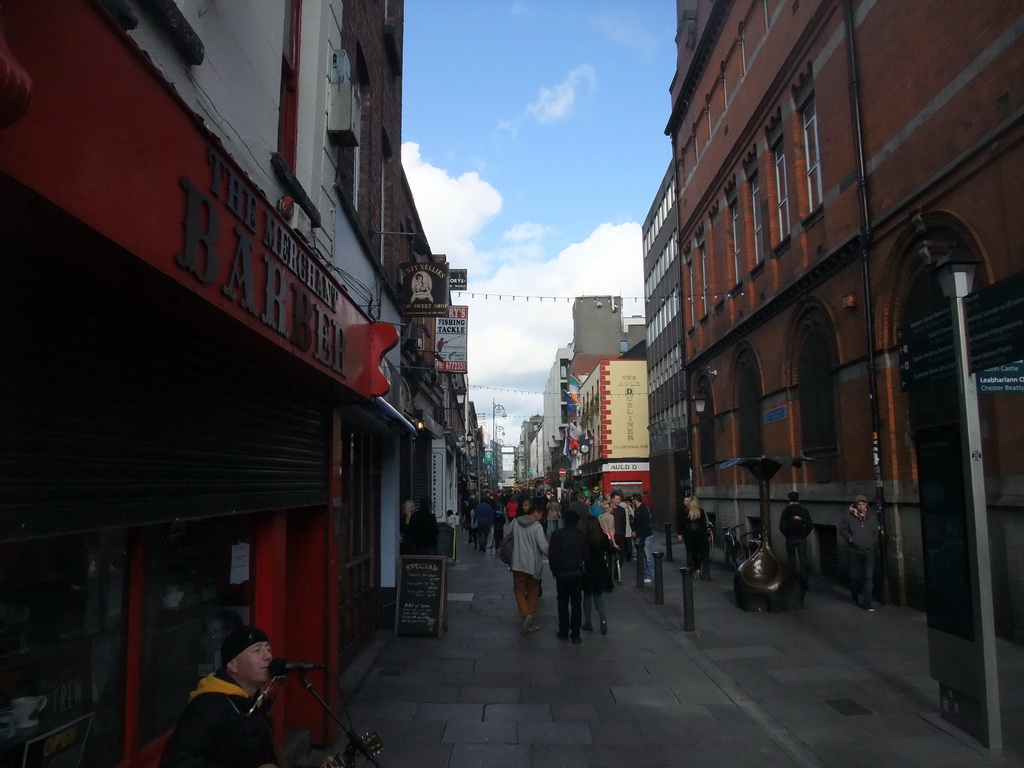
453,209
557,102
527,231
513,341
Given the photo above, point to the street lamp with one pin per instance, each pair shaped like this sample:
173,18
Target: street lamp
956,276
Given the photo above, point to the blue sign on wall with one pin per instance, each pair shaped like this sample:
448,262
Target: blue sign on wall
775,414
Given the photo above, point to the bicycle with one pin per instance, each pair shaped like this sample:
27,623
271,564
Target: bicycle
732,549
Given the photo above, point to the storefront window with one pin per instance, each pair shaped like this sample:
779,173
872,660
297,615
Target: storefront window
62,672
197,588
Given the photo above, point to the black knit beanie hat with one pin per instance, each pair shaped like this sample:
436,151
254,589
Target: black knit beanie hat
239,640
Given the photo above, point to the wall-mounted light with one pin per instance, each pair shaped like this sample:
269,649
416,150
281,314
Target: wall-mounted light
700,401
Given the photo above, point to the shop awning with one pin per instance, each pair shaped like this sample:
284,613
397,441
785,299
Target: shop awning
394,414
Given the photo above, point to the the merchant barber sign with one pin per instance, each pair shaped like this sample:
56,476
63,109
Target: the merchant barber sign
239,248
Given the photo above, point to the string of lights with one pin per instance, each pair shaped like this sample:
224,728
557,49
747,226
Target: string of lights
569,299
545,392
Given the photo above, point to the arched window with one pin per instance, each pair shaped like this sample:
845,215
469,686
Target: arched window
749,400
816,396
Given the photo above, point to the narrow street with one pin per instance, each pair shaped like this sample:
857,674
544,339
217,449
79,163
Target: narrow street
831,685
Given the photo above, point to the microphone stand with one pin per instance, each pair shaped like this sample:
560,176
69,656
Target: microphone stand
353,738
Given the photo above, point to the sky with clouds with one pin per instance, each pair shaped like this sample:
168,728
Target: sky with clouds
534,145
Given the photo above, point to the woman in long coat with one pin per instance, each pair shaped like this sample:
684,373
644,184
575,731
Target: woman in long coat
599,575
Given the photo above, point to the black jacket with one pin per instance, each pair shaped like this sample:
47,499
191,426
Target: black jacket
795,522
216,731
567,551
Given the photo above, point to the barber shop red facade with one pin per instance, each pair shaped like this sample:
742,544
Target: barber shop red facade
174,459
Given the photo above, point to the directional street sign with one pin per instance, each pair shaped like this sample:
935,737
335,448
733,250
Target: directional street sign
995,323
926,351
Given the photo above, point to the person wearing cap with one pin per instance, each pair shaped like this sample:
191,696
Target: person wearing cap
859,531
226,723
795,524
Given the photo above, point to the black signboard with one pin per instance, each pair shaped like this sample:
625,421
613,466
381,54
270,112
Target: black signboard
995,323
422,596
944,530
59,748
458,279
425,289
926,352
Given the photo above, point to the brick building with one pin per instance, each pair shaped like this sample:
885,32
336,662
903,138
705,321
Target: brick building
826,154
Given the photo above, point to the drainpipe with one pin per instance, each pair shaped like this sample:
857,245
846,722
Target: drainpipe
865,261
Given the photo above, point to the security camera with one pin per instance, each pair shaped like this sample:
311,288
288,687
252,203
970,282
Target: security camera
598,304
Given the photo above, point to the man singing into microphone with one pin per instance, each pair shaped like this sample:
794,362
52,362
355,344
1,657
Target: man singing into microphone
226,723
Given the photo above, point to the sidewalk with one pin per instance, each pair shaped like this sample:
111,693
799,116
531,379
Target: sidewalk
831,685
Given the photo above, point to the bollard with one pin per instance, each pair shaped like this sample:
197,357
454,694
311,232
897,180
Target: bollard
659,588
638,553
668,542
687,599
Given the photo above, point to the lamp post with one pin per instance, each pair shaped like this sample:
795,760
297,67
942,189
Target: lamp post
956,276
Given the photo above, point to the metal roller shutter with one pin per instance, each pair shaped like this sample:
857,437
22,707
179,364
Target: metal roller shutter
110,417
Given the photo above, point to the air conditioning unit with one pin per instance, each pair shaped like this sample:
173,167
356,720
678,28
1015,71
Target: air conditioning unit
343,102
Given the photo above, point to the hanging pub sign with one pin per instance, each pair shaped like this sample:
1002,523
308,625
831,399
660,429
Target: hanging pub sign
425,289
458,279
451,340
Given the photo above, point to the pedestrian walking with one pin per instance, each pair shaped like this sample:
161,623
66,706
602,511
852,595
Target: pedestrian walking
567,555
499,530
483,516
529,549
580,506
598,579
695,536
421,530
644,534
552,515
859,530
795,524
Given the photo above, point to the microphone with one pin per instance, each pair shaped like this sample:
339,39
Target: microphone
281,667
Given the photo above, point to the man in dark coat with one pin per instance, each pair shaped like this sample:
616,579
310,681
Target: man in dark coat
226,722
795,524
483,515
567,552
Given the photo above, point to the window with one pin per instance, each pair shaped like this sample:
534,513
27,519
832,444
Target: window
755,214
814,193
817,396
62,636
693,291
782,187
749,411
737,240
704,267
288,115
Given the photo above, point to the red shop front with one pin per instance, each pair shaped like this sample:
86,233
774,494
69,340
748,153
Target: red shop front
170,441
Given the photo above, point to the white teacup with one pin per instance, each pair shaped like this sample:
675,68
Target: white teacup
25,710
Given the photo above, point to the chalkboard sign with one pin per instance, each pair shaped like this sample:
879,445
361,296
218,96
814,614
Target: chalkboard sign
422,596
